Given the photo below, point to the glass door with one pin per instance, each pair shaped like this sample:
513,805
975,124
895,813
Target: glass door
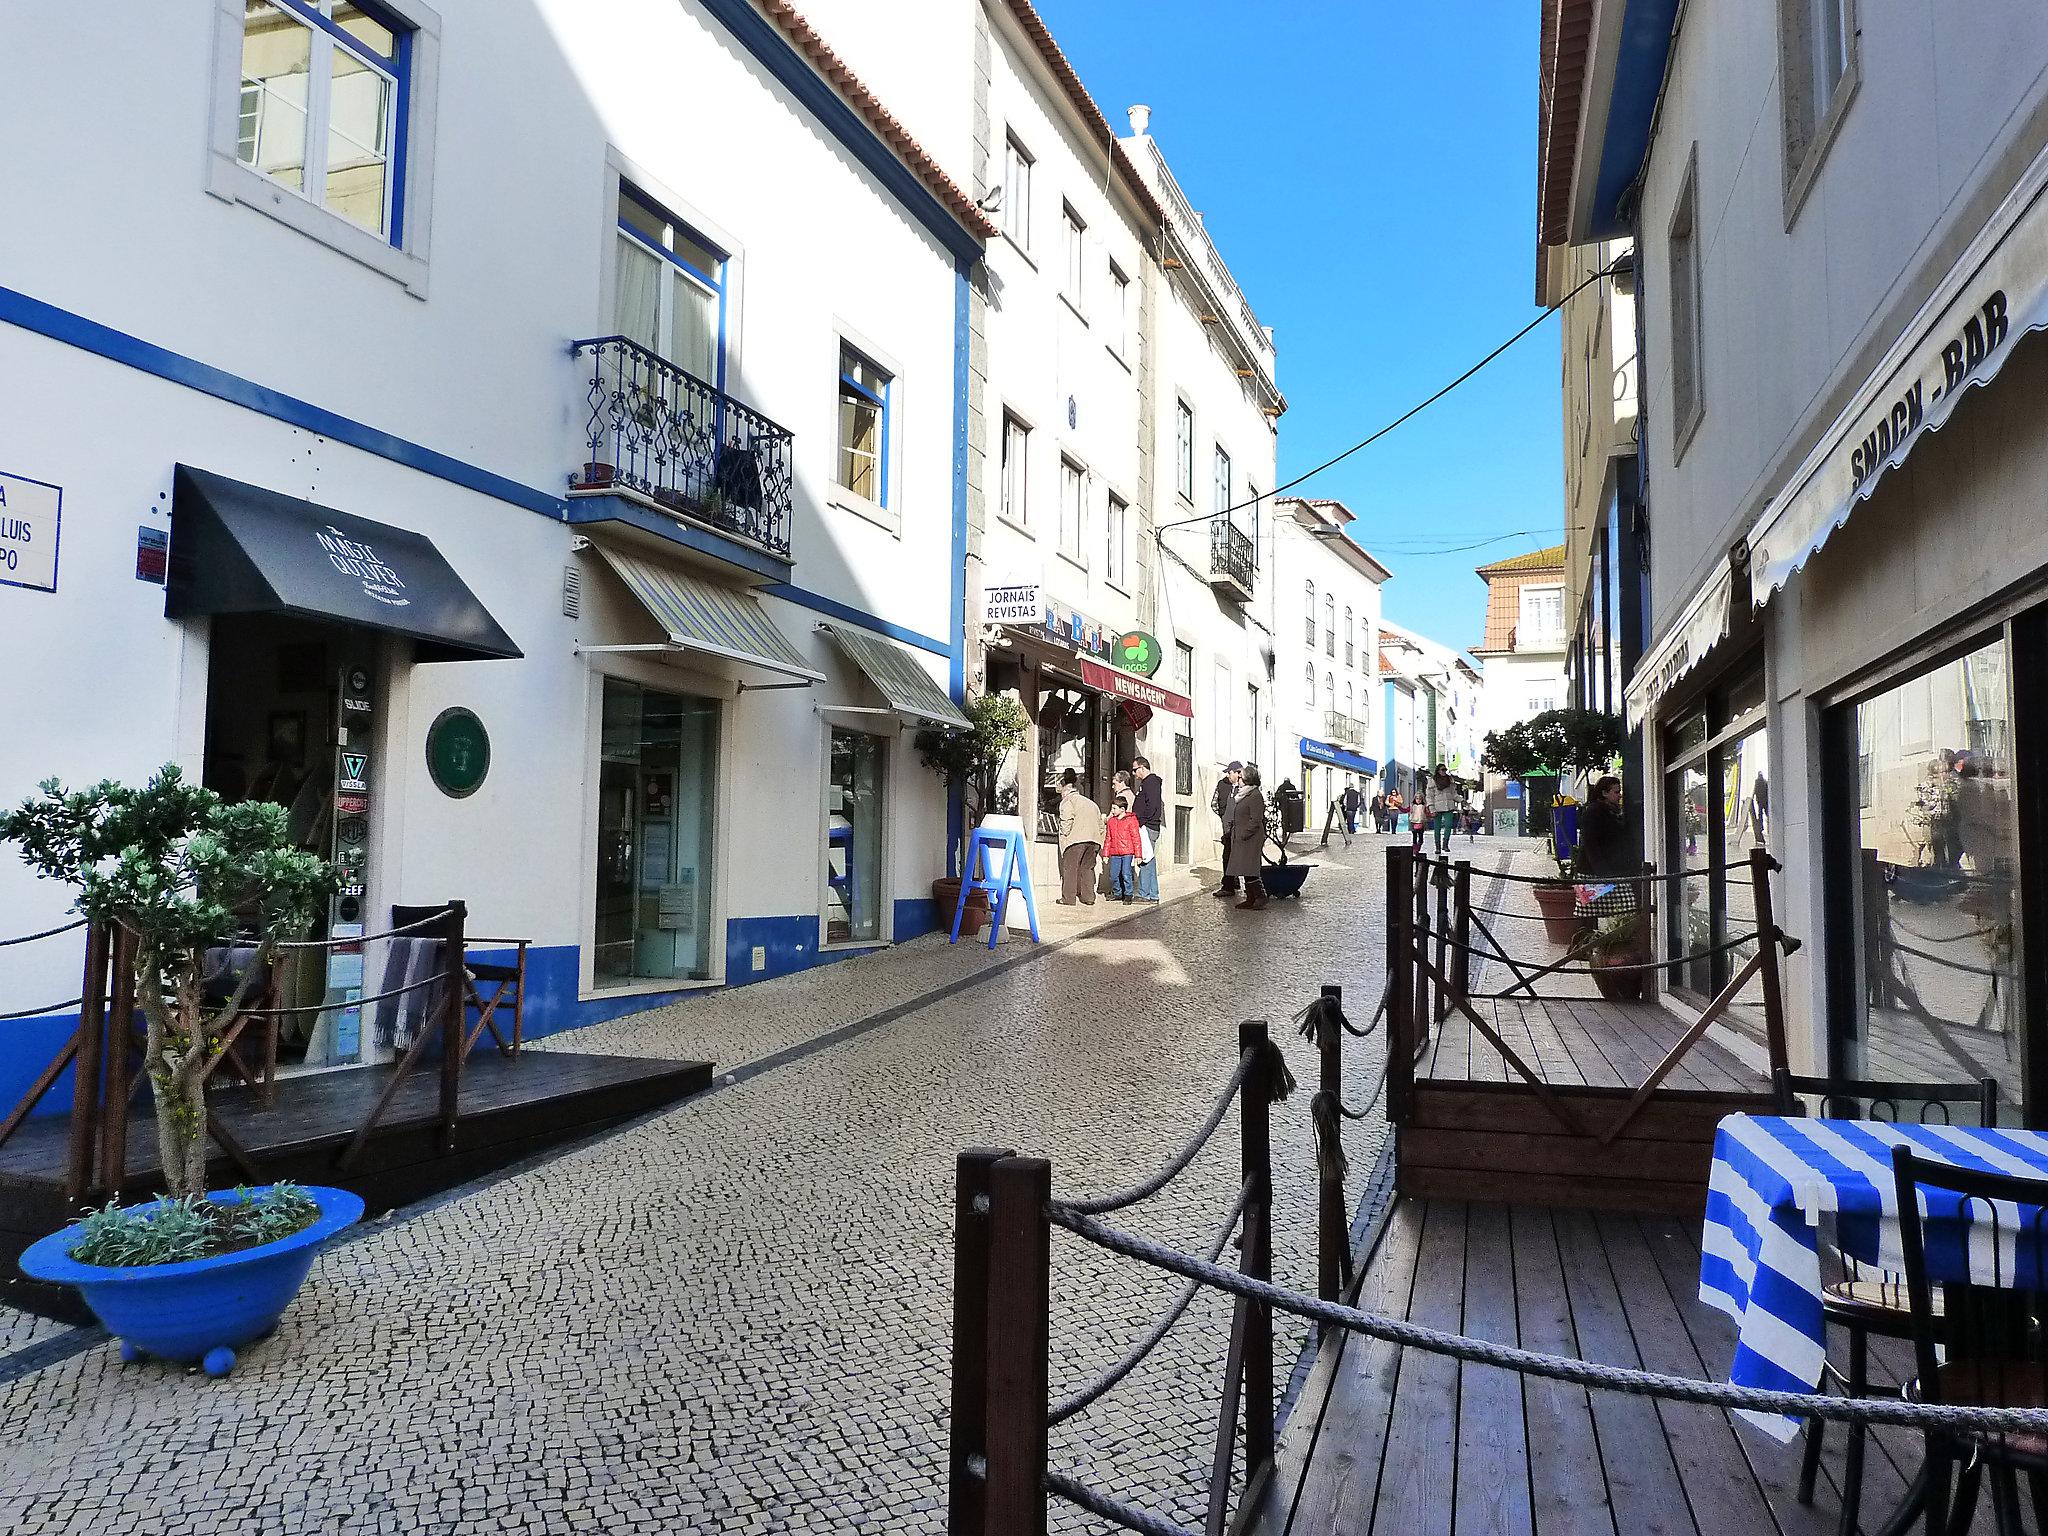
855,790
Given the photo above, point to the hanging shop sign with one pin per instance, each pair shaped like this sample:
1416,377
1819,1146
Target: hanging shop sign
458,752
1136,651
1012,601
31,512
1125,686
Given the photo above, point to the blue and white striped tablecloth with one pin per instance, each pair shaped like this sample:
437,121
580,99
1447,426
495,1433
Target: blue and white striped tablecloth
1773,1182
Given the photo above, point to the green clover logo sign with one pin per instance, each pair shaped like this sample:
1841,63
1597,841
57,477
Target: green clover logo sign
1136,651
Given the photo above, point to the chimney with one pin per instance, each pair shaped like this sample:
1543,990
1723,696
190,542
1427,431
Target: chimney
1141,120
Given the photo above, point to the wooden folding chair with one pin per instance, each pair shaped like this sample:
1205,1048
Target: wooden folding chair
506,984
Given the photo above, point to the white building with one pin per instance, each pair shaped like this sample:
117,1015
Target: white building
611,418
1435,709
1327,592
1525,653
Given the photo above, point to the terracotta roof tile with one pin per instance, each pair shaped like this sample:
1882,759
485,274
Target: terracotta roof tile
1070,81
1551,559
864,101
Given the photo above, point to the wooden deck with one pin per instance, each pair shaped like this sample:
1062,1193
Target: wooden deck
510,1108
1581,1042
1387,1442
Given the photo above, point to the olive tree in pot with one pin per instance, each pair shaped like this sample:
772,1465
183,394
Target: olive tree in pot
1562,741
194,1274
971,761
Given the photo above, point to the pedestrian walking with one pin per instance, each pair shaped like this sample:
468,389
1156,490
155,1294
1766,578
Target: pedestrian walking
1148,805
1443,806
1080,842
1350,808
1244,855
1418,818
1378,812
1220,803
1122,842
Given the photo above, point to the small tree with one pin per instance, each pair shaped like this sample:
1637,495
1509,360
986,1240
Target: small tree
180,870
972,760
1564,741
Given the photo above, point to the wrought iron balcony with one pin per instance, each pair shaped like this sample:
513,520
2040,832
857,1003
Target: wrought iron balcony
1230,560
661,431
1342,729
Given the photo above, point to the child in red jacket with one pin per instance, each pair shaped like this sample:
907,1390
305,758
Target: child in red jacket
1123,845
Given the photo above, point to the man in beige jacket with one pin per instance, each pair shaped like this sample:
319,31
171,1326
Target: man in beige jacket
1080,842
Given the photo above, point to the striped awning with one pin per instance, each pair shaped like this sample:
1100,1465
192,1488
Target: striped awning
910,690
700,615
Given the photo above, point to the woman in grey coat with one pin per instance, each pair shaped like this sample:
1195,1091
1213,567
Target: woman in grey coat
1245,856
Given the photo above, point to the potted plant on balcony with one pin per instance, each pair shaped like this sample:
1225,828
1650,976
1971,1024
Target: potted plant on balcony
196,1274
1567,741
970,762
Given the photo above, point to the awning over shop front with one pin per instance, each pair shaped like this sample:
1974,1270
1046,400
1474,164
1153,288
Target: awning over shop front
238,548
1336,757
1684,645
702,616
907,686
1961,337
1128,685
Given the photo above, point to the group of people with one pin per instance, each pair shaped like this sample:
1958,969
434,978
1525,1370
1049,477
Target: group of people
1128,837
1439,809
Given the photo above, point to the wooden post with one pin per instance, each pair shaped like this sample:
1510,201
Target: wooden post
1760,866
1400,988
454,1016
1418,949
1255,1154
1461,957
1014,1357
1652,980
1333,1229
85,1079
1442,886
119,1063
968,1462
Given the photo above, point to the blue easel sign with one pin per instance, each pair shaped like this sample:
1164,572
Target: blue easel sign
996,863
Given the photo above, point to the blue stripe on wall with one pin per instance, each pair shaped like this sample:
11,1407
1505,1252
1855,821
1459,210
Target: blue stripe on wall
832,608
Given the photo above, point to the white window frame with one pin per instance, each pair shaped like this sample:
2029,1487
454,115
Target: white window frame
1074,253
1184,450
1116,538
1017,514
1534,602
1016,209
1120,314
1221,473
1073,529
1682,252
228,179
1810,122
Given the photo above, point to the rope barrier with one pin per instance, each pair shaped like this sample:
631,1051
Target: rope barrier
1929,938
430,921
1948,965
1640,879
1564,967
1116,1511
1903,1413
1163,1325
47,933
348,1002
34,1013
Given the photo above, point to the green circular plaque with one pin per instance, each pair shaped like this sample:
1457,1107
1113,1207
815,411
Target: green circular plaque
458,752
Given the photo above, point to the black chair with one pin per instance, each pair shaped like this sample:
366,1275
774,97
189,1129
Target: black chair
1978,1345
1864,1302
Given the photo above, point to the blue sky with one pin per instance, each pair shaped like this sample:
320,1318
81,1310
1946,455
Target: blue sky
1368,171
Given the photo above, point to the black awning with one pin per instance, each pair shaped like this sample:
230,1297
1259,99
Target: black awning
238,548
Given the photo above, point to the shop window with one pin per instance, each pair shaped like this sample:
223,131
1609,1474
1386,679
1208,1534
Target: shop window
855,790
1935,837
1069,723
656,794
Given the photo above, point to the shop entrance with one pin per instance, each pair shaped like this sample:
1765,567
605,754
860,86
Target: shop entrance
291,718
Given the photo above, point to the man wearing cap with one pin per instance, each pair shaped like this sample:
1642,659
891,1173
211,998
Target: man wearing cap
1220,802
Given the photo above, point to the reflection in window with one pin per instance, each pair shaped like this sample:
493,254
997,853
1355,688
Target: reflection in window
1934,893
853,838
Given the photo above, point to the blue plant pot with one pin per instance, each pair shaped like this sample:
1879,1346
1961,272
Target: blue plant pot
1285,879
203,1310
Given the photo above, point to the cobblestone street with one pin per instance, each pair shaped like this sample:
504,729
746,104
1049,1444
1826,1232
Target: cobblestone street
733,1316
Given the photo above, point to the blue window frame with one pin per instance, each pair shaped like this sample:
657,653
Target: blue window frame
669,289
324,102
862,466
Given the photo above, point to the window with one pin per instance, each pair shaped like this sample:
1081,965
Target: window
1017,192
1329,625
1683,256
1717,798
1310,683
1251,505
1184,450
1116,542
1350,655
863,427
855,795
1329,694
1541,702
1309,612
1075,229
1222,501
1817,55
1016,455
320,110
1121,320
1183,674
668,290
1071,509
1541,625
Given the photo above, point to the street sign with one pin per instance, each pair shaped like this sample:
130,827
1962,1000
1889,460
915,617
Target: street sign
30,514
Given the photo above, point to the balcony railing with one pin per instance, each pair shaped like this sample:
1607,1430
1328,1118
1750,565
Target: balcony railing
1230,556
1343,729
657,429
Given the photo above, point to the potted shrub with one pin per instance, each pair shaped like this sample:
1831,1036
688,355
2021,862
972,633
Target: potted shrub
1557,741
1616,942
970,762
196,1274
